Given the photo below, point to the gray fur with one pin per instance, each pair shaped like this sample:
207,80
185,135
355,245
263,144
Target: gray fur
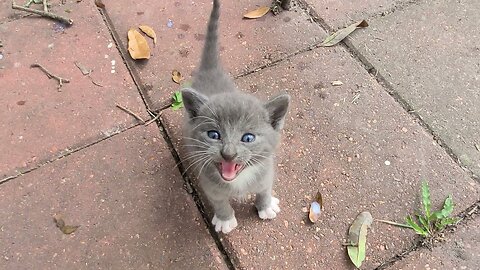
215,103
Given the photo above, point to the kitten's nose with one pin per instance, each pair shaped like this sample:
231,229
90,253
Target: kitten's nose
229,152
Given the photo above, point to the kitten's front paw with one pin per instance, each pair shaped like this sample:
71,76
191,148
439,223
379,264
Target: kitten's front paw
224,226
271,211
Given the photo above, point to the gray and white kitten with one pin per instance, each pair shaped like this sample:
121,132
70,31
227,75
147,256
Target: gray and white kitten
231,137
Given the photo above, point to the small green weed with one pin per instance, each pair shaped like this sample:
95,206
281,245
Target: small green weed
430,222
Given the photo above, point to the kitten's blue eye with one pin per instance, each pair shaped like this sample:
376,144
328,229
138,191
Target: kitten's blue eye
248,137
213,134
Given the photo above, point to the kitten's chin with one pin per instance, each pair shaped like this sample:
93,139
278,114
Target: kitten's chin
229,170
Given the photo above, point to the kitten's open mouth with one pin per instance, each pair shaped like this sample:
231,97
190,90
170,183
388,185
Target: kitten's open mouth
229,170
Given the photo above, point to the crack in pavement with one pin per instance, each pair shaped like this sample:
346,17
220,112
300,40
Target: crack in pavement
68,151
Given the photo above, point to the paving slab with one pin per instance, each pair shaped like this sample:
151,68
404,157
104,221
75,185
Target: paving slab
439,80
340,13
131,205
244,44
37,122
354,144
459,251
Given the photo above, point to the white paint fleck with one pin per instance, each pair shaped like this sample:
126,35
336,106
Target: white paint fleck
112,71
113,62
110,45
106,56
387,162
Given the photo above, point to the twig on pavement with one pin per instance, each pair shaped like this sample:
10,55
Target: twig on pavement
45,8
153,119
131,113
50,75
44,14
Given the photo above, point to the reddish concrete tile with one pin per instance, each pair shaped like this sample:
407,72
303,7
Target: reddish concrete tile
338,140
439,81
36,121
244,44
131,205
460,251
340,13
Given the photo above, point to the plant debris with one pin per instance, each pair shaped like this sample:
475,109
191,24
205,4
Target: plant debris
177,76
149,32
66,229
337,83
257,13
137,45
83,69
50,15
316,208
342,33
177,100
131,113
357,238
99,4
50,75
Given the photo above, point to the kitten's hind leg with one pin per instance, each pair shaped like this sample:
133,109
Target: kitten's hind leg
224,218
267,205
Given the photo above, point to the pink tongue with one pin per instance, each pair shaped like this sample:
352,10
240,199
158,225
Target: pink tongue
229,171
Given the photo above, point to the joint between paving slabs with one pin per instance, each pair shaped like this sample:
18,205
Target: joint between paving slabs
373,71
470,212
190,188
123,53
66,153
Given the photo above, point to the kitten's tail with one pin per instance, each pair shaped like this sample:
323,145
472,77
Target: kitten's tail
210,50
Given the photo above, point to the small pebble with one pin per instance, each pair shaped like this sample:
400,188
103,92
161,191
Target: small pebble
113,62
387,162
110,45
112,71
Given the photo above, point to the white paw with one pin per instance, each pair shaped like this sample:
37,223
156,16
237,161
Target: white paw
224,226
271,211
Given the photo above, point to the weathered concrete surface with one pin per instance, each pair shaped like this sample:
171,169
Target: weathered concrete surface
340,13
431,59
339,140
244,44
459,251
131,205
37,122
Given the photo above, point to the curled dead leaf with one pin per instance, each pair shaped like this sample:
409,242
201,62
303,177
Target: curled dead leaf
149,32
316,208
257,13
137,45
337,83
177,76
66,229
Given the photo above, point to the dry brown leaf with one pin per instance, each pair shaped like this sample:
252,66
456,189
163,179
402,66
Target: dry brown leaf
99,4
177,76
342,33
66,229
316,208
149,32
257,13
137,45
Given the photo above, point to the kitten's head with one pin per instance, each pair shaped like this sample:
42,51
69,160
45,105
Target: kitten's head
231,131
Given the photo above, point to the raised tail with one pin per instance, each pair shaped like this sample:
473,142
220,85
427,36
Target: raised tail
210,50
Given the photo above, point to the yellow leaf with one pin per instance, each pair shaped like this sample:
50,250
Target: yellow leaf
149,32
137,45
257,13
177,76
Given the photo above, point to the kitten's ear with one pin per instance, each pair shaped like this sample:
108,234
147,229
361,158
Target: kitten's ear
192,100
277,108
